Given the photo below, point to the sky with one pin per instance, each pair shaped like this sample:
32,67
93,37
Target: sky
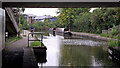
44,11
92,9
41,11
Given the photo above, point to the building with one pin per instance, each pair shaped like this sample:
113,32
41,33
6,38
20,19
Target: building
29,18
33,19
42,18
53,19
26,17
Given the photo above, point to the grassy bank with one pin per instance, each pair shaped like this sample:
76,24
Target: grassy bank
12,40
36,43
110,36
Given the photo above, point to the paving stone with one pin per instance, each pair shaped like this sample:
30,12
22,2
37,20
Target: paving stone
17,55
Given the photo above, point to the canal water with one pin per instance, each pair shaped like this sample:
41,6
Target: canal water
75,52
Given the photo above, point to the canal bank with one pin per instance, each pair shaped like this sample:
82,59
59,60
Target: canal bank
92,36
114,52
66,52
76,51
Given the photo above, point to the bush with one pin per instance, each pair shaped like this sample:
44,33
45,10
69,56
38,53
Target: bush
113,43
106,35
114,31
110,36
36,43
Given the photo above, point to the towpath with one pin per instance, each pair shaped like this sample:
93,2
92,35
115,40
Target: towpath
18,55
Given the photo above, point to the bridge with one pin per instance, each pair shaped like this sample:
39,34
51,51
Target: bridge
60,3
12,25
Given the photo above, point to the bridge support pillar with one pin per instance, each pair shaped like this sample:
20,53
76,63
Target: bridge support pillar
2,32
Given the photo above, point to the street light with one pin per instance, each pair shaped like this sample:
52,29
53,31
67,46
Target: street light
6,36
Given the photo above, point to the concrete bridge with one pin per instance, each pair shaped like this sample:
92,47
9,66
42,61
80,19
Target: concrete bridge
11,23
60,3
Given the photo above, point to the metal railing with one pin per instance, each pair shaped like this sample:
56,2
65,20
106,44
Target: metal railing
41,33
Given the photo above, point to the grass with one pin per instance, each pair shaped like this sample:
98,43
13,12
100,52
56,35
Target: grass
110,36
14,39
36,43
10,39
113,43
19,38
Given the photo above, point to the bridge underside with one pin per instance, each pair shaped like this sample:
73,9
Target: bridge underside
10,27
60,4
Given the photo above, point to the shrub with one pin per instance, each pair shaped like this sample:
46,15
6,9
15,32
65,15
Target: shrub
114,31
105,35
112,43
36,43
110,36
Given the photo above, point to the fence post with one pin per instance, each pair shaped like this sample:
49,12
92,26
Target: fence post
28,39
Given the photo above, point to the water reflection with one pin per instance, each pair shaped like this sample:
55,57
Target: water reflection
84,56
75,52
53,50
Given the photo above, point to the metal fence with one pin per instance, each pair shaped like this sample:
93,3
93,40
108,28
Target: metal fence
41,33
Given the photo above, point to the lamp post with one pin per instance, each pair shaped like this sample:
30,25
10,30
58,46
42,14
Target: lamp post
6,37
19,22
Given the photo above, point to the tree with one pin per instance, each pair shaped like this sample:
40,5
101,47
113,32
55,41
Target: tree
24,22
67,15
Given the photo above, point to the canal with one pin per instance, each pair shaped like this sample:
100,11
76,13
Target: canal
75,52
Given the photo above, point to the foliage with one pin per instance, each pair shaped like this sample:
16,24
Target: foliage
36,43
114,31
110,36
105,35
19,38
67,16
12,39
24,23
43,26
113,43
81,20
23,9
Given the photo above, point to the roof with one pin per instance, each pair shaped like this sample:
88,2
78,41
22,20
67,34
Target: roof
29,15
42,17
25,14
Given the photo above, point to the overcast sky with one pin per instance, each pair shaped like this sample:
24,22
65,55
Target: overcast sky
92,9
44,11
41,11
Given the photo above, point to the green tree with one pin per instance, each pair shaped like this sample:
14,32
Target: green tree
24,23
67,15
